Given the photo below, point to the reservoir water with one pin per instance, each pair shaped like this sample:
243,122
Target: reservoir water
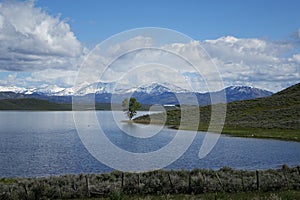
47,143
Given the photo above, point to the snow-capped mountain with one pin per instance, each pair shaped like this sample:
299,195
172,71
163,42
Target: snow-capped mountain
158,88
97,88
14,89
43,90
154,93
235,93
52,90
157,94
52,93
113,88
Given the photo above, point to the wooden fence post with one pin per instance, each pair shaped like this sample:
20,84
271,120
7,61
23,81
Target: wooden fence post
138,182
10,190
87,186
59,189
243,184
257,180
26,191
74,186
190,182
170,181
122,184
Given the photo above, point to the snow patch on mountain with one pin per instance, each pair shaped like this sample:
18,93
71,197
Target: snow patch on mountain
247,92
245,89
14,89
158,88
43,90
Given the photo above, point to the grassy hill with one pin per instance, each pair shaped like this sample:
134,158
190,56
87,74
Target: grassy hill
31,104
281,110
276,116
43,105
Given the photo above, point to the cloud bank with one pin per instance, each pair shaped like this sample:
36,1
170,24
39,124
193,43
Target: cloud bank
39,49
267,64
33,40
270,65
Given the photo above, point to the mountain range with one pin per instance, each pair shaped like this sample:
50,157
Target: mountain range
154,93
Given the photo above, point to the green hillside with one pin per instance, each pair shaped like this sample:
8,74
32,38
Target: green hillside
41,105
31,104
281,110
277,116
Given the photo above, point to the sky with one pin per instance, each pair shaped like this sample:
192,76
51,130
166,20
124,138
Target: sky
256,43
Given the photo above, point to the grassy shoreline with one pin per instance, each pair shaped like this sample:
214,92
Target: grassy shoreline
246,132
277,134
260,133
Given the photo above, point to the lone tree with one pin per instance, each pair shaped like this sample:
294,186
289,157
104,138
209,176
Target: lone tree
130,107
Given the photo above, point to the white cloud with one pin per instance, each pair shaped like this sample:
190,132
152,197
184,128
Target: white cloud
296,58
61,78
32,40
248,51
141,66
243,61
9,79
256,62
129,45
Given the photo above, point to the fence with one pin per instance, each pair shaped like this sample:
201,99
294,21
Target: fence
157,182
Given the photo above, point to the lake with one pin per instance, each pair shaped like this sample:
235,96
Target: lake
47,143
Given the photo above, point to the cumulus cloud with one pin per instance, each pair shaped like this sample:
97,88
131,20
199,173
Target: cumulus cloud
296,58
32,40
8,79
62,78
253,61
129,45
249,51
140,66
241,61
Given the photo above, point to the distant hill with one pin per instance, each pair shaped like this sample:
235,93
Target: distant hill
31,104
55,99
44,105
278,112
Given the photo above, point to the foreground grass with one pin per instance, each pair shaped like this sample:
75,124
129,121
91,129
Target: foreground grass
276,195
226,183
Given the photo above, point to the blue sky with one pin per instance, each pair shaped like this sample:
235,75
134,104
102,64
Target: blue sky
200,19
255,42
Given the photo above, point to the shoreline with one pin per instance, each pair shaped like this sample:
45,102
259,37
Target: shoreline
291,135
260,133
279,167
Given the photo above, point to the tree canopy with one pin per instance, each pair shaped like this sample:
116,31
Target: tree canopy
130,107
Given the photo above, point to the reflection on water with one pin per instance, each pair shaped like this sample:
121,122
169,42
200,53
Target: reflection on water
46,143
